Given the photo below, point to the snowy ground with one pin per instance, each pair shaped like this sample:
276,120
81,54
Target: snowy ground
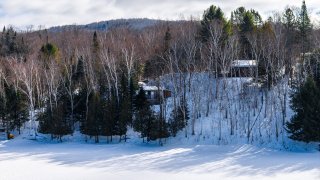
33,160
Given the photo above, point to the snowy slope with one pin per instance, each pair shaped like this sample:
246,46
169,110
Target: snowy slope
216,104
33,160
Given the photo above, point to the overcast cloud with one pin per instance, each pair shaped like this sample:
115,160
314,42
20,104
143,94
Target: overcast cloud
22,13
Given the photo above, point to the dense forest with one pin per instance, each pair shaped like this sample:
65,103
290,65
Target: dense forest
73,79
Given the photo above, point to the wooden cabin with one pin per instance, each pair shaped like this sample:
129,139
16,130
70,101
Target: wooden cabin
155,94
243,68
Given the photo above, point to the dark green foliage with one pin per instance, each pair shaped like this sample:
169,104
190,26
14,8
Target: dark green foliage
179,117
49,50
79,71
94,121
91,112
246,26
125,107
237,16
55,122
12,44
290,24
247,22
305,102
17,108
213,15
154,67
111,116
167,39
13,108
95,44
313,64
145,119
55,119
159,130
305,28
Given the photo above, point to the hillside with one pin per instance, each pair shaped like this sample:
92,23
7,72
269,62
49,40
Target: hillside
134,24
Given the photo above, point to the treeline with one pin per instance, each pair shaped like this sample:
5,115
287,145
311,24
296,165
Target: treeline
78,77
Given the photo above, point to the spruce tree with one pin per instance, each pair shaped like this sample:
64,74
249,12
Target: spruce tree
144,121
17,108
305,102
55,119
13,108
92,125
125,114
305,29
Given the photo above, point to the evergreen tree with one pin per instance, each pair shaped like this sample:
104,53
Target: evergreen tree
145,119
167,39
247,26
92,124
13,108
95,45
305,102
126,112
55,119
212,14
305,28
17,108
290,24
159,129
11,44
49,50
247,22
109,113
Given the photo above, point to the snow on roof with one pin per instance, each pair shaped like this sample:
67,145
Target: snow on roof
141,84
244,63
151,88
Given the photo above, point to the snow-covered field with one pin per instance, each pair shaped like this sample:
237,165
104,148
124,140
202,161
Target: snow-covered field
211,153
34,160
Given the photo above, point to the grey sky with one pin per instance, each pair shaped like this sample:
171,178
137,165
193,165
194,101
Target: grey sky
22,13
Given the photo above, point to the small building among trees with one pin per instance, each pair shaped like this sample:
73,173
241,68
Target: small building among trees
244,68
155,94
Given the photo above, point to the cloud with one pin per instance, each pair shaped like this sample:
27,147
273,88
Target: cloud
22,13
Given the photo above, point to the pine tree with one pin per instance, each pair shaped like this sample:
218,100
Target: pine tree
305,102
247,22
212,14
246,26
